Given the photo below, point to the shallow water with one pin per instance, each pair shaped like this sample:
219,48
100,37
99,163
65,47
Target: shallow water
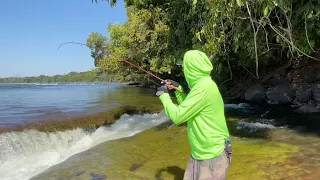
25,154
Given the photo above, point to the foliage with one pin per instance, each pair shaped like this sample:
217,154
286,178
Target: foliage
239,36
112,2
89,76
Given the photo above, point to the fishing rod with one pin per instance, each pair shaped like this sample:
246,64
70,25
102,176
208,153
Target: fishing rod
126,61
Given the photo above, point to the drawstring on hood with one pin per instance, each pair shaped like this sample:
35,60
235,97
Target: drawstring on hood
196,65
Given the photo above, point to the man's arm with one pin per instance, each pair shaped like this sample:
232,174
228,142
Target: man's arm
181,96
192,104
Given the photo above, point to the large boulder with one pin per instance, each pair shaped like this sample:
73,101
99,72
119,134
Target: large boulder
315,89
303,96
312,75
256,93
308,109
281,94
276,80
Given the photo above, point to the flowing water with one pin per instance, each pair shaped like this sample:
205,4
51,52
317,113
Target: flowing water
25,154
270,142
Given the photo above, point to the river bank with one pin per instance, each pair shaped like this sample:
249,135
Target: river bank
298,88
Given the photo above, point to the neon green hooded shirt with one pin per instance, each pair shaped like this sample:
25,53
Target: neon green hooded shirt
202,108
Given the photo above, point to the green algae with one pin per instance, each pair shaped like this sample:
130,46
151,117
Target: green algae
162,153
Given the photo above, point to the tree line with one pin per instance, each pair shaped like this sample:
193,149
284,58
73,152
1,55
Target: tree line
89,76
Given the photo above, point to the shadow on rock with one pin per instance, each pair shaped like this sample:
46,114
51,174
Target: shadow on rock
135,166
98,176
176,171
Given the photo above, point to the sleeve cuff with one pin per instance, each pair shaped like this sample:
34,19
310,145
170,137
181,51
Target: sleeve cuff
164,96
180,87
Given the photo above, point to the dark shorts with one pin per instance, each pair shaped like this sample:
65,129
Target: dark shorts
211,169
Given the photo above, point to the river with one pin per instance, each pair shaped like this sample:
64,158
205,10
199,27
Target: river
269,142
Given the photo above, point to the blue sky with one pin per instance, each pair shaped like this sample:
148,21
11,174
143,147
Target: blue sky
31,31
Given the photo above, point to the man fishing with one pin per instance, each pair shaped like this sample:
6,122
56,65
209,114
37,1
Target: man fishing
203,110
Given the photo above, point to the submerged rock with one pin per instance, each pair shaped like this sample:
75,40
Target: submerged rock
98,176
255,93
303,96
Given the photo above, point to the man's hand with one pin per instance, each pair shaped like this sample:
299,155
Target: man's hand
170,84
161,90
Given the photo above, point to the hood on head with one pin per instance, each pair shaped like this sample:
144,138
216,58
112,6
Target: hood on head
196,65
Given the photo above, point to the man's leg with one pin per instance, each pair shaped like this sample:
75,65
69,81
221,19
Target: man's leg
189,173
216,168
212,169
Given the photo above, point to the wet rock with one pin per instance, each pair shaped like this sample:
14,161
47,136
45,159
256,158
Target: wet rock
98,176
303,96
312,75
295,106
135,166
308,109
281,94
255,93
315,89
311,103
289,77
78,173
276,80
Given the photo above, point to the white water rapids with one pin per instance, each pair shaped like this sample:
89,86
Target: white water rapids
28,153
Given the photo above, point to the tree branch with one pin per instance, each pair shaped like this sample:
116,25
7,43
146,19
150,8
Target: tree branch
230,73
255,41
305,27
250,72
291,43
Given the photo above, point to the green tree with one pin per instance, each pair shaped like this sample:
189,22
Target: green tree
239,36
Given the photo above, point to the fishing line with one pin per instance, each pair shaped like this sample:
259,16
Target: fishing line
124,60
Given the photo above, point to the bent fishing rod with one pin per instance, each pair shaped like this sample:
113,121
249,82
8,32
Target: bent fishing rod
126,61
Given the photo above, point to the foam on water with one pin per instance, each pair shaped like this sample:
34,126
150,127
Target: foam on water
26,154
237,106
253,126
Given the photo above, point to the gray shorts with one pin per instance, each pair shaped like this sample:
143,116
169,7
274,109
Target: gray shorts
211,169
